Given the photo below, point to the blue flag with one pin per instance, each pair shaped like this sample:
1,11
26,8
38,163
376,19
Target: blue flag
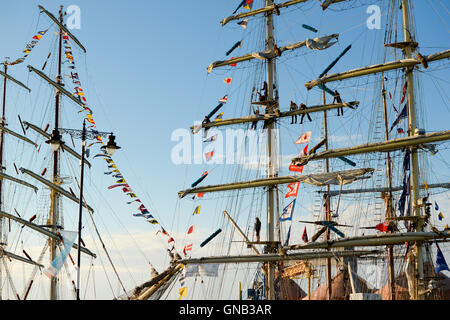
436,207
287,237
288,211
440,260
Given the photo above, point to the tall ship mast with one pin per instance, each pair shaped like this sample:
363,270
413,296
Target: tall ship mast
406,218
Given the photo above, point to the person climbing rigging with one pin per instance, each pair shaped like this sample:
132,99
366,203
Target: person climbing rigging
293,107
303,107
206,120
337,99
255,123
257,228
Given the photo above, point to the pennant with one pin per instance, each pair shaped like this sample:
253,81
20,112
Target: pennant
288,211
304,138
404,92
198,195
219,117
402,115
227,80
224,99
210,139
287,237
197,210
191,229
187,248
68,240
293,189
249,4
182,292
441,264
145,215
305,149
305,236
209,155
243,23
118,185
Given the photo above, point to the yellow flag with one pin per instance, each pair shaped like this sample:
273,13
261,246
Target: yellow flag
426,186
182,292
196,210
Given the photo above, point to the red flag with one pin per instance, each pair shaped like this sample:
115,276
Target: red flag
170,240
400,130
191,229
305,236
382,226
227,80
296,168
404,92
293,189
232,64
305,149
199,195
209,155
224,99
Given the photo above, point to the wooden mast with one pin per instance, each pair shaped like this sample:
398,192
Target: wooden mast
388,195
327,202
270,43
418,277
3,122
54,210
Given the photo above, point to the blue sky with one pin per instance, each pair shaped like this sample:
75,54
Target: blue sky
145,76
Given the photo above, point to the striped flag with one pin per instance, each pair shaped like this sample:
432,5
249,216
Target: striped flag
197,210
224,99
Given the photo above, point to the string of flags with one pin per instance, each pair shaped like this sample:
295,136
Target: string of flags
29,47
113,171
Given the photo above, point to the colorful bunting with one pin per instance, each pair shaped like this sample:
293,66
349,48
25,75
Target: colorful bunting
29,47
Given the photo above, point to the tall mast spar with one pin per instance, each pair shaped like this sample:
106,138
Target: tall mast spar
54,210
414,157
5,68
327,200
270,149
388,195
